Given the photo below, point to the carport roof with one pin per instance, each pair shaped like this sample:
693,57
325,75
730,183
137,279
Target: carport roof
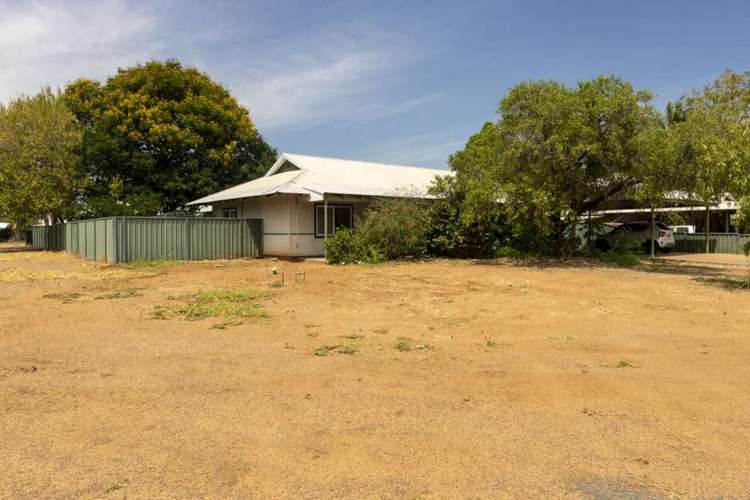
318,176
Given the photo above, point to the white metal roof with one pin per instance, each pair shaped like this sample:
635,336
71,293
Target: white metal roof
317,176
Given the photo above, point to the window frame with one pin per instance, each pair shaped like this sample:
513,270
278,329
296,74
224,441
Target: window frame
227,209
331,206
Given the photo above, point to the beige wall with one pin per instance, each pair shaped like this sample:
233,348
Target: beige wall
288,222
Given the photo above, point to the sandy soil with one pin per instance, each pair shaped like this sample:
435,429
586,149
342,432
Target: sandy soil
523,380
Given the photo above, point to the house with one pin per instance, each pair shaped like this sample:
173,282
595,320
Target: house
304,199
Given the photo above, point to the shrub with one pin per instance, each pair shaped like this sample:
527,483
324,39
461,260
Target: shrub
457,228
395,228
348,247
6,233
508,253
621,258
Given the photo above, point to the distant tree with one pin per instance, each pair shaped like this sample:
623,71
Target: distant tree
713,142
676,111
39,164
158,135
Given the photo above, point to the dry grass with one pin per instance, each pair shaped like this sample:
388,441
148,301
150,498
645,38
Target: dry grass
583,382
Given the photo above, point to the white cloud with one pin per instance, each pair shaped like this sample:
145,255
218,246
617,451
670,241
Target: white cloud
291,79
54,44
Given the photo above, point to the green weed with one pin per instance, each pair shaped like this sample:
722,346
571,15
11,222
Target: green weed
120,294
64,297
227,303
145,263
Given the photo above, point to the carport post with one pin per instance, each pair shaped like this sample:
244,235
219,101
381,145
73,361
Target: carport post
653,219
325,228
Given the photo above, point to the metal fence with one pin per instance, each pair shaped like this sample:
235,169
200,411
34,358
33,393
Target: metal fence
128,239
717,242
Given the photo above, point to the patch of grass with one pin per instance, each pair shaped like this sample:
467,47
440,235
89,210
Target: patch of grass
490,342
64,297
230,303
351,336
227,323
348,349
619,258
624,363
406,344
323,350
380,331
120,294
161,312
116,486
403,344
146,264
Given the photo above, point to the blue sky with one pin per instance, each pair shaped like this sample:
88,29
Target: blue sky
393,81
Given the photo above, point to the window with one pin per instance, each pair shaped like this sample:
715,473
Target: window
338,216
230,213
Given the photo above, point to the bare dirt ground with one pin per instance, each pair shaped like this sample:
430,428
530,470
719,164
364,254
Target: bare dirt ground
443,379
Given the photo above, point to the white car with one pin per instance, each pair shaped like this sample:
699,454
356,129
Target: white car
637,235
683,229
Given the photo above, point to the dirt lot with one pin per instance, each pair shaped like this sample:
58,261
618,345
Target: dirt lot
441,379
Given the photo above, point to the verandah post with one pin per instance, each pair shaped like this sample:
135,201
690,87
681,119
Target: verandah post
325,228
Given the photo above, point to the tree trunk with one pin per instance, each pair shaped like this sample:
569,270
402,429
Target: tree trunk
19,231
708,222
653,244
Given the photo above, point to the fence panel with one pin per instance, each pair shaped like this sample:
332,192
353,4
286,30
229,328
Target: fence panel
127,239
718,242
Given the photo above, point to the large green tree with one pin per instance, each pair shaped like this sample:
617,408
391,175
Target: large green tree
557,153
160,134
712,143
39,163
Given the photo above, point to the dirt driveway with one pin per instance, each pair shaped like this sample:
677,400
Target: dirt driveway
438,380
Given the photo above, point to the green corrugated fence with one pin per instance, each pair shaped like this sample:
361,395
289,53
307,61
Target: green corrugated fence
128,239
717,242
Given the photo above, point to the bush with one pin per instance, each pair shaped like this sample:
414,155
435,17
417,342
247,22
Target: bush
395,228
621,258
508,253
348,247
457,229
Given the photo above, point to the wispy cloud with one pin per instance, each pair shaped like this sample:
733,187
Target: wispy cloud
428,150
318,77
56,43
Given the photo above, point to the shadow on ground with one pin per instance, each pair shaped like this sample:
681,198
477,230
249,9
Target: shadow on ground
724,276
17,248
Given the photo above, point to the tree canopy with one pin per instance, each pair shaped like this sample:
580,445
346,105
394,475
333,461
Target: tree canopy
39,164
557,152
159,135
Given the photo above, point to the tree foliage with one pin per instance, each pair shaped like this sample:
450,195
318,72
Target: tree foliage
39,164
556,153
159,135
712,142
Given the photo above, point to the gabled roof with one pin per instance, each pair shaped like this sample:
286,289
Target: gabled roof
317,176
